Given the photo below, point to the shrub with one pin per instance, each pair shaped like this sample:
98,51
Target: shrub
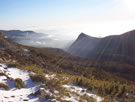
19,83
87,98
12,65
6,87
9,79
34,68
65,101
2,74
38,78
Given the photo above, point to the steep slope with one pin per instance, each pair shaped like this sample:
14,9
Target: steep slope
114,53
121,45
106,48
83,45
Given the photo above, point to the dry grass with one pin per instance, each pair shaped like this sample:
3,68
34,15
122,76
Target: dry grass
19,83
6,87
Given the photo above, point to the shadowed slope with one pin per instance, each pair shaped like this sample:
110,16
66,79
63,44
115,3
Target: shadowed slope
104,48
83,45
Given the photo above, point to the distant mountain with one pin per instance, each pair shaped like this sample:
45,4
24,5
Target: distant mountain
30,38
83,45
107,48
17,35
35,39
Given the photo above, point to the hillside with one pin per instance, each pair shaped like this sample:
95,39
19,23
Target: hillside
114,53
20,85
82,73
83,45
62,62
88,47
34,84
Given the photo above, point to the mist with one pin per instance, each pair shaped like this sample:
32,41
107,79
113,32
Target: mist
36,39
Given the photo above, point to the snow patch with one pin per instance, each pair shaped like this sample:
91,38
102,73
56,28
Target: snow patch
82,91
26,50
14,94
50,76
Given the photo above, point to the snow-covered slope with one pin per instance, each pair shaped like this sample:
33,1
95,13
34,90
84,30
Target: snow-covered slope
81,91
32,90
14,94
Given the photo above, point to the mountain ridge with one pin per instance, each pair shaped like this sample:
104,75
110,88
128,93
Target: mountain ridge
78,45
114,44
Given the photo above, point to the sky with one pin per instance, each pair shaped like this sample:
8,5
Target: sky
66,19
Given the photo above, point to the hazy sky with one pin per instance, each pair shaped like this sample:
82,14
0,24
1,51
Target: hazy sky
68,18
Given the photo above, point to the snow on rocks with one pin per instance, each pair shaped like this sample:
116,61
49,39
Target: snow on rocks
81,91
32,90
26,50
3,65
14,94
2,78
50,76
72,98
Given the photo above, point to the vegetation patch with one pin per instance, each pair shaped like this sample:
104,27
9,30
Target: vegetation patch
109,90
2,74
19,83
87,98
11,65
38,78
6,87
